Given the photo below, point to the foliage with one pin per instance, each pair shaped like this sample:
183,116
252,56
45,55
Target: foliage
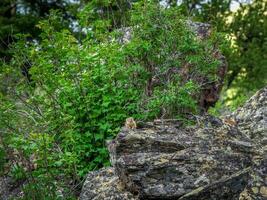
22,16
100,15
214,12
247,56
248,70
78,93
160,42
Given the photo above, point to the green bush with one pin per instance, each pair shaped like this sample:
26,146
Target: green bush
80,92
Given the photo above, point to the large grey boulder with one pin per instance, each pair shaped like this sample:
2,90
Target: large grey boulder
166,160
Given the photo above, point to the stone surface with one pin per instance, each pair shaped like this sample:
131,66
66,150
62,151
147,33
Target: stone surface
104,184
166,160
252,121
10,189
252,117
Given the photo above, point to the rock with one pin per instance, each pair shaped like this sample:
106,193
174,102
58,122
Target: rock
104,184
169,161
10,189
252,117
252,121
210,160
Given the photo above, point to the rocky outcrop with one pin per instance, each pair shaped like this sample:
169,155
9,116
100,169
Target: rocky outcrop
213,159
167,160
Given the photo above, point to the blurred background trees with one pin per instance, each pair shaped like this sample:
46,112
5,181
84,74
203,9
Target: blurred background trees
22,16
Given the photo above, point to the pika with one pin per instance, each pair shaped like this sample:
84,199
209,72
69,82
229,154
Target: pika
130,123
230,122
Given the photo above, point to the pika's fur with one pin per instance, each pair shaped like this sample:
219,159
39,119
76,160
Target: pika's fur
130,123
230,122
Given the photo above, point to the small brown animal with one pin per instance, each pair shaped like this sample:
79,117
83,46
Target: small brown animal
130,123
230,122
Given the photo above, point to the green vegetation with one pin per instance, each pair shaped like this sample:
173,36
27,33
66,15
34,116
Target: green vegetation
247,57
65,91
